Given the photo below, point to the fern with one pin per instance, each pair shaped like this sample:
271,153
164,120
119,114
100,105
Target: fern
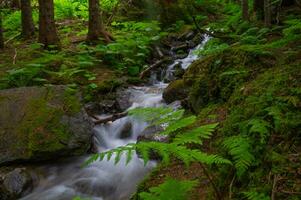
166,191
196,135
239,148
176,149
259,126
255,196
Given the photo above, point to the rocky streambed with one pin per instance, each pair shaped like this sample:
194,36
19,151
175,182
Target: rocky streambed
46,133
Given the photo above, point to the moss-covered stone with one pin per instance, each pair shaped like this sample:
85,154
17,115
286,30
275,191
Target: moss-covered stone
40,123
177,90
214,78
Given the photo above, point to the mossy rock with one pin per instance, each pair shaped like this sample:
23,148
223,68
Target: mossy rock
214,78
176,90
42,123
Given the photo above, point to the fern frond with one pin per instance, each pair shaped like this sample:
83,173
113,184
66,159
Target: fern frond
259,126
240,149
150,114
255,196
179,124
166,191
163,150
196,135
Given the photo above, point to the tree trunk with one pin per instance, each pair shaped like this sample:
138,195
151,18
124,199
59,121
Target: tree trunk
27,21
267,13
245,9
96,26
1,32
47,30
259,9
15,4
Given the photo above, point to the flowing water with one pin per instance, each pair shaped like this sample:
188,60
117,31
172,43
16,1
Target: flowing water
104,180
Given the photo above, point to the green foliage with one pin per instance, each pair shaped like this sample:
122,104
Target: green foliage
166,191
12,22
29,75
177,148
131,48
240,149
214,46
65,9
293,30
109,5
256,196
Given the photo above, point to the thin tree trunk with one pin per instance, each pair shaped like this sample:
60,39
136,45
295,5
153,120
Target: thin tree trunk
1,32
27,21
245,9
267,13
47,30
96,27
259,9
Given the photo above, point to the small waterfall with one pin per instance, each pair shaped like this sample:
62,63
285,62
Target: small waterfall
105,180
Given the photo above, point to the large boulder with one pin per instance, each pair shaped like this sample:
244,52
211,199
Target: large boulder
176,90
42,123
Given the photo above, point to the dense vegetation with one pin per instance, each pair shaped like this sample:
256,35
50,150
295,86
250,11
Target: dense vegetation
239,136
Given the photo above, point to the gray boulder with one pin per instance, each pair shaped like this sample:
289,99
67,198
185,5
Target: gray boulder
42,123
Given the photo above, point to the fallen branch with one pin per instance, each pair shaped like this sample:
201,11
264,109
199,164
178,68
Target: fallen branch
110,118
161,55
13,37
152,67
15,56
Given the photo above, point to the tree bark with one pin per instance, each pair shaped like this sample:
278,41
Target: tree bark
245,9
96,27
15,4
27,21
258,9
47,30
267,13
1,32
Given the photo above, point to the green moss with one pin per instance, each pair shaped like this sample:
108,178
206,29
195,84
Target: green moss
109,85
215,78
41,129
72,105
177,90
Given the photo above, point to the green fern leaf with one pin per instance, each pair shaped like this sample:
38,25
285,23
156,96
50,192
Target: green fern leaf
239,148
255,196
166,191
196,135
179,124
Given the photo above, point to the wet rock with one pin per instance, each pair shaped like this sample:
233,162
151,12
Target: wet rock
123,99
108,106
198,38
94,187
15,183
126,131
176,90
188,35
149,131
179,71
151,134
42,123
184,47
182,55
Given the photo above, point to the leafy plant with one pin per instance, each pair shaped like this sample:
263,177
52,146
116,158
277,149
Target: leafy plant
166,191
131,48
177,148
239,147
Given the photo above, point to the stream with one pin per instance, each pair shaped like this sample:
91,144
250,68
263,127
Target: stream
104,180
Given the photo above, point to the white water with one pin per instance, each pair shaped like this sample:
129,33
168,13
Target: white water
104,180
192,56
